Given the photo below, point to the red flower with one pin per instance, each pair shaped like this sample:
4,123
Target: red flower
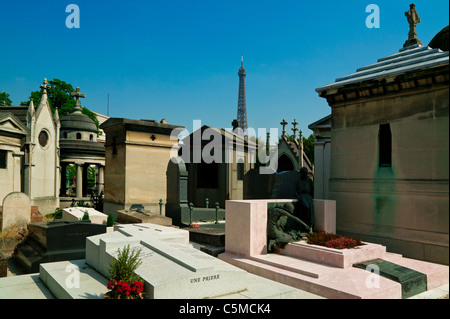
125,289
342,243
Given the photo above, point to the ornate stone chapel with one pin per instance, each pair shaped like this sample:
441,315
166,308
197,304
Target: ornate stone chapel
37,147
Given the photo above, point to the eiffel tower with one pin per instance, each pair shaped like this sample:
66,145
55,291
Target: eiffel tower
242,107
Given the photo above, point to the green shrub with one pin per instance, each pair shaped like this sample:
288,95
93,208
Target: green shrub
124,266
85,216
81,203
57,214
110,220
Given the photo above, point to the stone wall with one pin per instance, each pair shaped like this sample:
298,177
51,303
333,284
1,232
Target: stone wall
10,176
405,206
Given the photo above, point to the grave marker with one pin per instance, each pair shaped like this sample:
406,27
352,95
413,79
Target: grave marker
76,213
54,241
16,210
171,267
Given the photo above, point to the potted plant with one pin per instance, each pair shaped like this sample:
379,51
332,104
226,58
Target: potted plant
124,283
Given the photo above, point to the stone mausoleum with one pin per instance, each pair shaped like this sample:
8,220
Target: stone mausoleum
37,147
79,147
389,157
137,155
29,152
223,178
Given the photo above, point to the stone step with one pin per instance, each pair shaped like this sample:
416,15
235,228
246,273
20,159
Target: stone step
297,265
348,283
23,287
62,279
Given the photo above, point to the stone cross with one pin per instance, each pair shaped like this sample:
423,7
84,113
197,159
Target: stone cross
413,20
44,86
284,123
77,95
295,129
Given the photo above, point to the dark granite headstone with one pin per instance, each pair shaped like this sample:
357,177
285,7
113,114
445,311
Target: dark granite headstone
257,185
177,192
413,282
284,186
51,241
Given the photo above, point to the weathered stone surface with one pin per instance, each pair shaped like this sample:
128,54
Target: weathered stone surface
143,174
16,210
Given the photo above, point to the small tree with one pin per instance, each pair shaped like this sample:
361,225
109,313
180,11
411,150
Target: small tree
124,266
110,220
85,216
124,283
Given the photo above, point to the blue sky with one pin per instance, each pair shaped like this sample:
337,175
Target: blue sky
178,59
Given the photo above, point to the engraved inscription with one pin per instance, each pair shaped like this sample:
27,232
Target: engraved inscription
204,278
